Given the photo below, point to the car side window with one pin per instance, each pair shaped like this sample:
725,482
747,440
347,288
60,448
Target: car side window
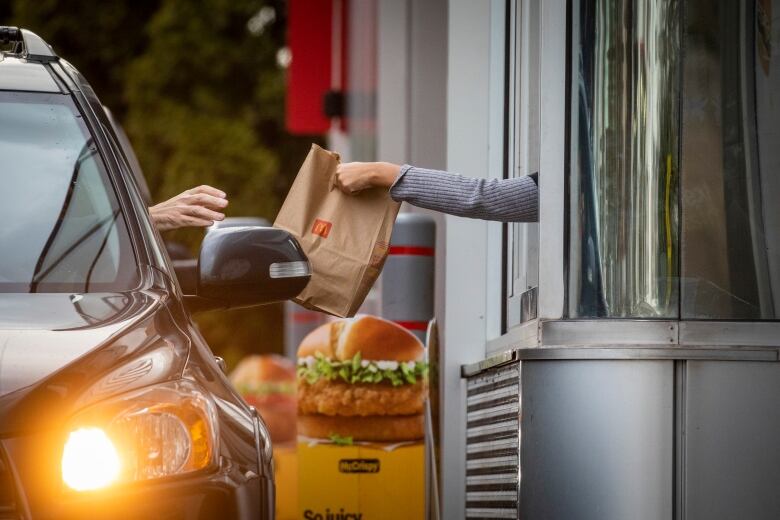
63,230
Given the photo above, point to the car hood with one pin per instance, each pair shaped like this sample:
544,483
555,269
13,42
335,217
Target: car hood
58,312
41,333
56,363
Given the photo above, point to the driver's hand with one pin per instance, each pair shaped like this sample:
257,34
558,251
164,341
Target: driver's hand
197,207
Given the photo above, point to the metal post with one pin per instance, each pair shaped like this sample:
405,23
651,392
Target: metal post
408,277
298,322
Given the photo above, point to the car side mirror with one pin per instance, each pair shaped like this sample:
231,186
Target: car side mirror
246,266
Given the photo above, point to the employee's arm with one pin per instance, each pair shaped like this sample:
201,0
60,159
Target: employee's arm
505,200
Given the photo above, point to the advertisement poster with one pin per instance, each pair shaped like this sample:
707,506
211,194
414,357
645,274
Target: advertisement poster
347,423
268,382
362,387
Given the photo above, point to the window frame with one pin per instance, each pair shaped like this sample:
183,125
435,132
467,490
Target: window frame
522,153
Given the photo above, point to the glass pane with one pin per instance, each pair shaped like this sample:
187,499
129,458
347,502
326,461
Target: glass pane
62,230
625,114
731,160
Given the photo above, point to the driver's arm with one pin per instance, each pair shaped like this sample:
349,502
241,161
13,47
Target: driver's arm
196,207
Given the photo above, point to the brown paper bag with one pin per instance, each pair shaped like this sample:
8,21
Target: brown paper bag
346,237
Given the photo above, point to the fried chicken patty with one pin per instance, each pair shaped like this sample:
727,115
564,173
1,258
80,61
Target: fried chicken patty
360,399
377,428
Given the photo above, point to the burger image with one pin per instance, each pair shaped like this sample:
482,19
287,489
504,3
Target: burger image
267,382
363,379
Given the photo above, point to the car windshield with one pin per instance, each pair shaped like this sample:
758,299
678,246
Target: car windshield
61,226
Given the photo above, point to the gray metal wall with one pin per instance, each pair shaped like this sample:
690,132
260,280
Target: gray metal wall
602,437
731,441
597,440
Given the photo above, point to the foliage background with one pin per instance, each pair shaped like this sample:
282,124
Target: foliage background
197,87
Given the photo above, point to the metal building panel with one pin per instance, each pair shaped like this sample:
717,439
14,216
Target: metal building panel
732,440
730,333
597,440
492,442
608,332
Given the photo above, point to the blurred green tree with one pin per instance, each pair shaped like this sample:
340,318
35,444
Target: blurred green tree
197,86
99,38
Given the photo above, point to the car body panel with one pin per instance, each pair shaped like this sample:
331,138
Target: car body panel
62,353
21,75
27,356
62,311
149,348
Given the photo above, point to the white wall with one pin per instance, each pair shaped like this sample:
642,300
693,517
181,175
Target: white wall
412,98
412,82
440,105
466,262
393,76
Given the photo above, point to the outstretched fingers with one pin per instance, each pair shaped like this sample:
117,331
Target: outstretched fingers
205,200
203,213
206,189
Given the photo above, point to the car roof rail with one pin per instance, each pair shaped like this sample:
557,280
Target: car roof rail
33,47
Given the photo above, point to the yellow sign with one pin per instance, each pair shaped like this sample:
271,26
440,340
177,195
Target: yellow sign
286,476
360,482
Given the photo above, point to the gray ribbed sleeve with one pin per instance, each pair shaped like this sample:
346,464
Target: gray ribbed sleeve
506,200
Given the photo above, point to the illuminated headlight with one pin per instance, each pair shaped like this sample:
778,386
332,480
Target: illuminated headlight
164,430
89,460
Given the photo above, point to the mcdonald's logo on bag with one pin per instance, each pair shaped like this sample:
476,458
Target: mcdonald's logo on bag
321,228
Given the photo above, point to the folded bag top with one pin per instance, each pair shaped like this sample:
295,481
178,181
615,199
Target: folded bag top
346,237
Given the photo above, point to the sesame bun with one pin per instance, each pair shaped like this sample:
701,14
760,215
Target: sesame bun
317,341
265,368
268,382
388,428
375,338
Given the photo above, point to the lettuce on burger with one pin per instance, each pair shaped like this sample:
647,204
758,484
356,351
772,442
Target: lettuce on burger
365,379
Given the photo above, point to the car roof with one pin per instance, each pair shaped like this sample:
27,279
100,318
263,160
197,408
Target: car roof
22,66
20,74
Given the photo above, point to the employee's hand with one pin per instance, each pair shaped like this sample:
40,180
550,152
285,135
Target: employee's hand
197,207
358,176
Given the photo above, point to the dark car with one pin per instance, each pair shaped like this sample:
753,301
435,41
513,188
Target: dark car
111,403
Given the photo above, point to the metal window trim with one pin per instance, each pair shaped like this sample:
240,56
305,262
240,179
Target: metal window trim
624,353
633,339
500,108
744,333
112,163
657,334
608,332
552,168
524,335
654,332
523,152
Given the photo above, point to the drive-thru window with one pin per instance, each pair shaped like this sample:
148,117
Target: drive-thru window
619,358
639,380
